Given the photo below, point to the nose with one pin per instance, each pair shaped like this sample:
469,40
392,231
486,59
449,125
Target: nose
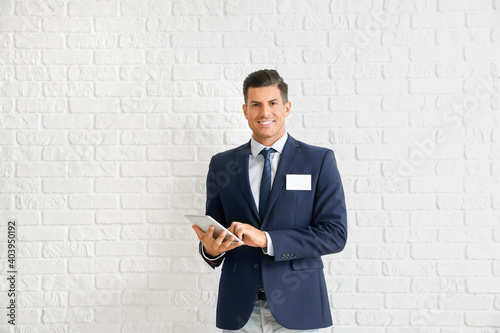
266,110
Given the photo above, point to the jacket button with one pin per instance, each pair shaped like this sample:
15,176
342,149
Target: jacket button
283,256
256,265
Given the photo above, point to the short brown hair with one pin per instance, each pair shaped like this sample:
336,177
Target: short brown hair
265,78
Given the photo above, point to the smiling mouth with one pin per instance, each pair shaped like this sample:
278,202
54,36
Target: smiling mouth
265,122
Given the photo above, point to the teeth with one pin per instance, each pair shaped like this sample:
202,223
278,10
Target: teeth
265,122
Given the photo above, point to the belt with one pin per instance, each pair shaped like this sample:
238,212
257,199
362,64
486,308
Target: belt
261,295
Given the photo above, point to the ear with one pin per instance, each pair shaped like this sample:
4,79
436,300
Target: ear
245,111
288,106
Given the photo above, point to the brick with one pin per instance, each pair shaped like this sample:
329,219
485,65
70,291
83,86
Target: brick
248,40
90,73
78,40
150,169
440,251
483,285
6,8
171,153
438,318
99,201
433,185
437,20
63,249
435,86
172,56
67,153
120,88
195,40
20,89
49,201
93,265
184,185
464,235
80,282
119,217
464,268
301,39
265,56
197,72
92,169
369,152
143,233
481,251
175,281
148,327
149,8
321,87
23,24
120,121
436,54
120,248
197,8
162,89
385,87
111,153
67,217
483,18
37,299
69,89
39,41
93,8
93,298
386,284
120,24
223,56
146,265
64,185
42,266
66,121
120,56
93,233
66,24
130,201
221,23
119,185
132,297
93,105
481,319
121,281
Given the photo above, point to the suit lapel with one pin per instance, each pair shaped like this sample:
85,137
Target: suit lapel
242,156
288,158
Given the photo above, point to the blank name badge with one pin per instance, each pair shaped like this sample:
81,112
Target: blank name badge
298,182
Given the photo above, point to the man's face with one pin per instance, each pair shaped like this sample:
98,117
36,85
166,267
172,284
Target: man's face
266,114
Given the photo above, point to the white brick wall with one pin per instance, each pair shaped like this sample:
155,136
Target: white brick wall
110,111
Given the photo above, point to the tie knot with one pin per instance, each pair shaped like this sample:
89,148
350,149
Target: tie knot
267,152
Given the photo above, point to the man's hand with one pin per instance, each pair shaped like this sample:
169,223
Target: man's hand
248,234
215,246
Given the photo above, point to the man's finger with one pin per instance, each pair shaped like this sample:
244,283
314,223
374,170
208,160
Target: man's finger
199,232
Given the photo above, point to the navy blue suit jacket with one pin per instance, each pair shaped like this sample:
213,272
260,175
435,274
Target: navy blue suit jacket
303,225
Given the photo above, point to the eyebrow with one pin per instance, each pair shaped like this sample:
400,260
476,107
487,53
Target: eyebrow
273,100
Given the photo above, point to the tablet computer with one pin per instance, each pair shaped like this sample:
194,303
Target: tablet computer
205,221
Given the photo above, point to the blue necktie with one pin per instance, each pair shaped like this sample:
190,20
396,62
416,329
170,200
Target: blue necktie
265,183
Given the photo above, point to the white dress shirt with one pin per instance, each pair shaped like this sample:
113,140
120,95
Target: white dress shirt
255,168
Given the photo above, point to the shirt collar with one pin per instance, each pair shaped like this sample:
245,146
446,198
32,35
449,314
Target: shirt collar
256,146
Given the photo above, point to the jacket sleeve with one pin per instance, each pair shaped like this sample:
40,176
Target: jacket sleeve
214,209
327,232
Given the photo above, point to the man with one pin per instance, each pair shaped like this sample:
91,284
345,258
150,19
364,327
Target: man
285,200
